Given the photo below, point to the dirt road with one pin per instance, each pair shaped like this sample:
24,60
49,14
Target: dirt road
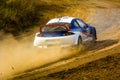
65,65
107,22
105,18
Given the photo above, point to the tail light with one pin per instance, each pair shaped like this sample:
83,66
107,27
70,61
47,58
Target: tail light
40,35
66,34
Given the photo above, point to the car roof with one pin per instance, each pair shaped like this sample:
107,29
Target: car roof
64,19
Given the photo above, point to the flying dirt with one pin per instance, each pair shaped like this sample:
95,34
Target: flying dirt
20,60
19,56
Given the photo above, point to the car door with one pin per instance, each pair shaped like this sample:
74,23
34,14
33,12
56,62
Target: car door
76,28
84,30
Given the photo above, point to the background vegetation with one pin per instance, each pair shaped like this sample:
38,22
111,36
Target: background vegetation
19,16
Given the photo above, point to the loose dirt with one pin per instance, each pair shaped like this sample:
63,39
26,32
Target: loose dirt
39,64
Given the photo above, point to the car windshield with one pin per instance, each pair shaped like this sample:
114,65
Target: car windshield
53,28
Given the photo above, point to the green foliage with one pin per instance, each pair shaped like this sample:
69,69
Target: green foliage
17,15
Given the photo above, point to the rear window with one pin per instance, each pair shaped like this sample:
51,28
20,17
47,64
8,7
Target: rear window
53,28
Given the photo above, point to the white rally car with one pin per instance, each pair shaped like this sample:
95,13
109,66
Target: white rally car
64,32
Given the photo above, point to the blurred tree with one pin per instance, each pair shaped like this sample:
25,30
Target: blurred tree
17,15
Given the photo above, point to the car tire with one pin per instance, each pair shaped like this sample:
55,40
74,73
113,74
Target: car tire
80,44
79,41
94,35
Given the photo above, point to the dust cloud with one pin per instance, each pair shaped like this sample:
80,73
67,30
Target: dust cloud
19,55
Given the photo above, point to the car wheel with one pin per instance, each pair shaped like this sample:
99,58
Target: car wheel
80,44
94,35
79,41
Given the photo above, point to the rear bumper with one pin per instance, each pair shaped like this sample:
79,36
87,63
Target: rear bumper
54,46
63,41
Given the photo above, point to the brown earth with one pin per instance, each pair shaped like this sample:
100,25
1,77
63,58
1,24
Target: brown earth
100,61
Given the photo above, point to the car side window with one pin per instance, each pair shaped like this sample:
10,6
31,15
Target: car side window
76,24
81,23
